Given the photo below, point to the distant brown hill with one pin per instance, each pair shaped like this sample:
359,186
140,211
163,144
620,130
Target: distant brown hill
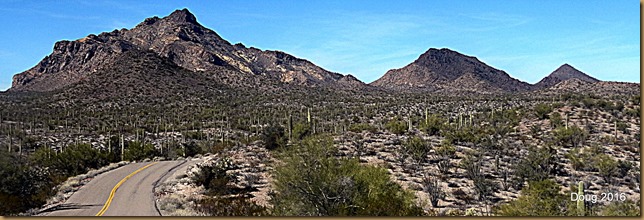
563,73
450,71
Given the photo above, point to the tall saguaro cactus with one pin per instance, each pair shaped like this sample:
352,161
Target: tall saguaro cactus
290,126
122,147
581,209
426,117
308,115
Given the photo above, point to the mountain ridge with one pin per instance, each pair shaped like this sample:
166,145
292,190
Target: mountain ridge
180,38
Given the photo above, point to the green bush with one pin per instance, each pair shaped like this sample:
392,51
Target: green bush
538,164
572,137
607,166
312,182
72,161
540,198
230,206
622,208
433,124
213,177
396,126
416,148
273,137
542,110
23,185
301,130
359,127
135,151
556,120
223,199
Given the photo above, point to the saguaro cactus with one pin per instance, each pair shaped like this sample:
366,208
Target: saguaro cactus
290,126
615,129
122,147
308,115
426,117
581,209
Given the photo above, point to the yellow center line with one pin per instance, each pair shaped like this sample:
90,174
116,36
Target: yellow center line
109,200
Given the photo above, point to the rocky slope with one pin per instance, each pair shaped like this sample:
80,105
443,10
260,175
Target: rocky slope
563,73
183,41
448,70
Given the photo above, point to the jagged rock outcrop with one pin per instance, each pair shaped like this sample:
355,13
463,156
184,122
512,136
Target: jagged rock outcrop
447,70
182,40
563,73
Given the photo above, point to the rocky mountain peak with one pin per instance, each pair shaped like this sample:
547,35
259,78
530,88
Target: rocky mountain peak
443,69
181,16
179,39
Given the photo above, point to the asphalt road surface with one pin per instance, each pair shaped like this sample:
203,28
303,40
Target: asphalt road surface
133,197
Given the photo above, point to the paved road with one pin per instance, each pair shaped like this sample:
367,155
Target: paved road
134,197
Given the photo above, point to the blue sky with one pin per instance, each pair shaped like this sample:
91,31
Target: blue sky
527,39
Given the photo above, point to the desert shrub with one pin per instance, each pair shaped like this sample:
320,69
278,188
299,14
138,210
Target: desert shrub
484,188
622,208
23,185
540,198
357,128
301,130
230,206
433,124
538,164
623,167
138,151
623,127
542,110
434,191
556,120
443,155
573,136
472,166
416,148
635,112
273,137
396,126
213,177
312,182
580,161
73,160
223,199
607,166
193,148
464,135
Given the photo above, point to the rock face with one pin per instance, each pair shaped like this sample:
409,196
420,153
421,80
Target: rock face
563,73
447,70
182,40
